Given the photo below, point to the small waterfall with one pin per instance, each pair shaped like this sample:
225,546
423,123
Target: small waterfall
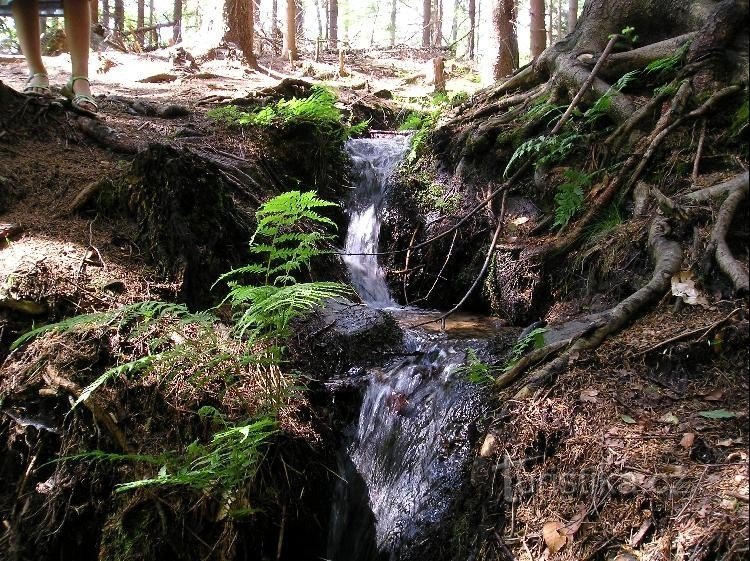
374,160
404,459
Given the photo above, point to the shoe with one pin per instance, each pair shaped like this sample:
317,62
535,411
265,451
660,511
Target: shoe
35,83
83,103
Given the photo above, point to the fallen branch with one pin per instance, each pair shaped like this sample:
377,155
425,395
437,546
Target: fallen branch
739,181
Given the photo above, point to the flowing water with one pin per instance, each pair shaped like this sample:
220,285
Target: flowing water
375,160
405,457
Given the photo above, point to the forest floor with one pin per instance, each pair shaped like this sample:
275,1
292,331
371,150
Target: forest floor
658,411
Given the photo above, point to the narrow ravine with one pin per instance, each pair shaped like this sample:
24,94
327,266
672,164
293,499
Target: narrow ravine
404,459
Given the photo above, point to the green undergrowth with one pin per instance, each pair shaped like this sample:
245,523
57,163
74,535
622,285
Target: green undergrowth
198,351
318,109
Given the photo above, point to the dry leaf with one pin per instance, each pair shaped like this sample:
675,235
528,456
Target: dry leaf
554,537
589,396
683,286
669,418
729,442
488,446
520,220
687,440
716,395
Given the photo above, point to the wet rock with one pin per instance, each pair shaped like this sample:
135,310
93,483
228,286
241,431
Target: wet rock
343,334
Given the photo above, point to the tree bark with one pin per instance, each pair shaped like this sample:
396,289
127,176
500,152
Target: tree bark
392,26
105,13
426,19
538,33
94,5
119,16
290,39
140,21
472,27
437,26
333,23
454,23
299,20
239,22
177,18
572,15
505,41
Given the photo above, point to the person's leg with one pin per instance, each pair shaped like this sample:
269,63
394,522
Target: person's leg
26,16
77,31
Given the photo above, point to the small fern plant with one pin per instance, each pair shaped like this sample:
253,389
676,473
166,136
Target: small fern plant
570,196
289,234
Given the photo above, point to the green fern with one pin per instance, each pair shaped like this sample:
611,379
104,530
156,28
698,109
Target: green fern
533,340
231,458
318,109
667,64
546,149
570,196
602,105
476,371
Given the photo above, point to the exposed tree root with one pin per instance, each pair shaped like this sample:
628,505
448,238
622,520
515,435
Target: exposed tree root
668,256
637,59
733,268
739,181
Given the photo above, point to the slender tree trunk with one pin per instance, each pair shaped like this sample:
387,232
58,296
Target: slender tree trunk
154,36
240,27
505,41
275,32
105,13
392,26
472,27
454,23
560,27
177,18
140,21
290,39
438,24
119,17
550,27
94,5
538,33
426,27
299,20
333,23
319,20
572,15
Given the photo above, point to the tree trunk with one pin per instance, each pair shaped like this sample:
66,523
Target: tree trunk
438,24
290,39
472,27
560,28
239,23
392,26
299,20
504,39
538,33
319,20
140,21
454,23
572,15
550,25
119,16
154,40
105,13
275,19
177,19
94,5
333,23
426,27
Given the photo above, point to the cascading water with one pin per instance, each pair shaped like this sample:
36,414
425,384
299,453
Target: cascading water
403,459
374,161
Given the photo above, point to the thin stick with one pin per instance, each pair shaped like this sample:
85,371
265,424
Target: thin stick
705,331
490,253
586,84
698,152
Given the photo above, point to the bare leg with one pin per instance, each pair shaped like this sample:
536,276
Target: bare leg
26,16
77,31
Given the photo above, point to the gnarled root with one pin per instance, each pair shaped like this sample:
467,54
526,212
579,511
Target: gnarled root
668,256
731,267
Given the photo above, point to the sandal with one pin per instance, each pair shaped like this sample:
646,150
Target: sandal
80,101
37,85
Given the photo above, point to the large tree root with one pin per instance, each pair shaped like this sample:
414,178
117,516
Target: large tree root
668,256
733,268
